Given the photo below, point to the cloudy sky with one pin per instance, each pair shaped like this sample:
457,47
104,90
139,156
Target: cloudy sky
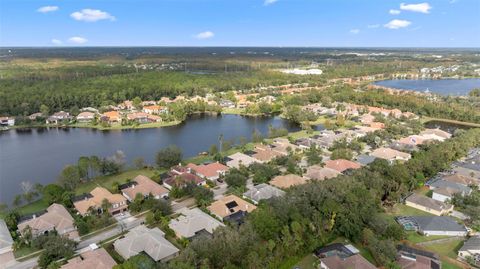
322,23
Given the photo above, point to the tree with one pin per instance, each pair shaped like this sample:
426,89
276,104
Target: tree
54,247
314,155
139,162
257,136
69,177
140,261
169,157
341,153
44,110
18,200
202,195
106,205
213,150
137,102
234,178
263,173
52,193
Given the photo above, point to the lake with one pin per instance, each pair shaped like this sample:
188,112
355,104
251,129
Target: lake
440,86
38,155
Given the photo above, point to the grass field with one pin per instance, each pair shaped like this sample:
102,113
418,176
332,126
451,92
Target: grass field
403,210
415,237
448,249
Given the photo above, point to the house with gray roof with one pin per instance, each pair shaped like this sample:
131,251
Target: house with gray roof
364,159
262,192
151,241
6,243
444,190
439,225
470,248
193,222
428,204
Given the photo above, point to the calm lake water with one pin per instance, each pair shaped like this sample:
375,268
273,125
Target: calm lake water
440,86
38,155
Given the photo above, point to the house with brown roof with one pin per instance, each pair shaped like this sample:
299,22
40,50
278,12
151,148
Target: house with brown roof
462,179
390,155
317,172
56,218
85,116
287,181
112,116
356,261
413,140
229,205
145,186
240,159
266,153
437,132
95,198
93,259
341,165
181,180
412,258
428,204
211,171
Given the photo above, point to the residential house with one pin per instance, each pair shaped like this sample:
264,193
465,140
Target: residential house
86,116
231,206
127,104
428,204
239,159
94,200
283,146
262,192
470,248
7,121
439,134
6,245
413,140
317,172
211,171
364,159
287,181
444,190
89,109
390,155
92,259
58,117
265,154
112,116
151,241
341,165
444,194
35,116
468,171
144,186
412,258
432,225
55,218
339,256
193,222
226,103
154,109
462,179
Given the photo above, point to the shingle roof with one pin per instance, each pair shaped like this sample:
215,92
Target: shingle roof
472,244
95,259
427,202
364,159
193,221
263,192
353,262
448,184
438,223
150,241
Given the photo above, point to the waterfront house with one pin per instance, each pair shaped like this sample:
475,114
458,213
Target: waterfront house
35,116
7,121
262,192
341,165
144,186
226,103
92,259
6,245
287,181
265,154
112,116
151,241
180,180
412,258
127,105
239,159
428,204
55,218
470,248
211,171
317,172
86,116
93,201
193,222
154,109
436,132
142,117
58,117
390,155
231,206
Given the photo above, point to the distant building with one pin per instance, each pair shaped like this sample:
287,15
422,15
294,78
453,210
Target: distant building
112,116
58,117
7,121
390,155
86,117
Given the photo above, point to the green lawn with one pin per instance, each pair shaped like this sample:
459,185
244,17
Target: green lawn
403,210
415,237
448,249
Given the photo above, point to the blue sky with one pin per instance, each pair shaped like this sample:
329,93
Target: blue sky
320,23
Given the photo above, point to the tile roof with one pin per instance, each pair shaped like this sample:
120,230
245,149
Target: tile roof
183,179
209,170
192,221
230,204
56,217
341,165
237,159
287,181
437,132
145,186
97,196
95,259
143,239
353,262
263,192
320,173
390,154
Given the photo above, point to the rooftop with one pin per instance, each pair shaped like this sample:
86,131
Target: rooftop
229,205
427,202
287,181
341,165
263,192
94,259
193,221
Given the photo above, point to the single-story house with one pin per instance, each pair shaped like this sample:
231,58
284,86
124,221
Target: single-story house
55,218
86,116
193,222
287,181
340,256
92,259
432,225
58,117
6,245
95,198
428,204
364,159
237,159
262,192
412,258
341,165
230,205
154,109
470,248
211,171
35,116
112,116
466,171
462,179
390,155
265,153
437,132
7,121
150,241
317,172
145,186
444,194
181,180
413,140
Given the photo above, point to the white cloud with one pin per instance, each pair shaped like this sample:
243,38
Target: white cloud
269,2
371,26
204,35
91,15
47,9
56,41
77,40
394,11
421,7
397,24
354,31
